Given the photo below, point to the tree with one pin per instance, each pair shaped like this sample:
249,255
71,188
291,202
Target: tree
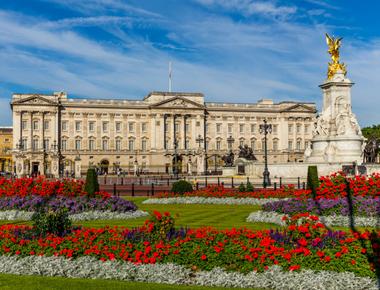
373,131
92,185
312,179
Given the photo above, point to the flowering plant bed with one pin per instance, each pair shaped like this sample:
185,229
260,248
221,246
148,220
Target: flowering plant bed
330,220
216,191
209,200
74,205
362,206
42,187
334,186
304,243
273,278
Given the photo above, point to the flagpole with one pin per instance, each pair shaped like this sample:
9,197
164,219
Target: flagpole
170,76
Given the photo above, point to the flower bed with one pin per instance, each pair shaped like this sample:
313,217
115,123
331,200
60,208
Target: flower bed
42,187
72,204
303,244
273,278
362,206
11,215
332,186
214,191
209,200
332,220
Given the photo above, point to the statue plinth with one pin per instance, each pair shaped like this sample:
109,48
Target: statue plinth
337,135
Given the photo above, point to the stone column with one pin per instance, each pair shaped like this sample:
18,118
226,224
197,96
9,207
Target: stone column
30,131
153,133
77,167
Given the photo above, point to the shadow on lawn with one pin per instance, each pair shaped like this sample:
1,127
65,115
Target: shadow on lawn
372,247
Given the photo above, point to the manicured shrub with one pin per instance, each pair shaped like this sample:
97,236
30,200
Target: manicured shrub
92,185
181,187
249,187
242,187
312,180
51,222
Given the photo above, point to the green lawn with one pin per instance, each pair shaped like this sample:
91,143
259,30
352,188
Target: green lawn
193,215
10,282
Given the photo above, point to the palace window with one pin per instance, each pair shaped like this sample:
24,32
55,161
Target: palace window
91,126
176,127
46,125
105,127
218,144
241,142
131,127
77,144
143,145
298,128
229,128
78,126
290,145
187,144
105,144
35,125
253,144
23,125
91,144
253,128
241,128
118,144
24,143
187,127
46,144
64,125
298,145
118,126
143,127
35,144
307,127
290,128
218,128
64,144
131,144
306,144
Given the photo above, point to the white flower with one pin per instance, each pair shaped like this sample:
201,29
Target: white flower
273,278
332,220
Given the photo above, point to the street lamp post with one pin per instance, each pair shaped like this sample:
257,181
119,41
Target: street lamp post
266,129
199,140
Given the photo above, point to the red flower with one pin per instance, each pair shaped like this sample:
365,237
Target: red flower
294,267
203,257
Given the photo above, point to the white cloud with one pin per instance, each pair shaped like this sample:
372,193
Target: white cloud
252,7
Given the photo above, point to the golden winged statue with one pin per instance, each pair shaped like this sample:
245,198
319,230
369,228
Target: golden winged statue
334,66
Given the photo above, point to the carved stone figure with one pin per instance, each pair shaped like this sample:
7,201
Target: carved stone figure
229,159
246,152
371,150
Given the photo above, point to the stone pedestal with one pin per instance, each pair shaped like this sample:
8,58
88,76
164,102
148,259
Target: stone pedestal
77,167
20,170
55,167
337,135
229,171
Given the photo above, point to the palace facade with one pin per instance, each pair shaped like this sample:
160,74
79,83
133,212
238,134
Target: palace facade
55,134
6,144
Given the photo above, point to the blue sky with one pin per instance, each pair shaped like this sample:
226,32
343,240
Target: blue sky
230,50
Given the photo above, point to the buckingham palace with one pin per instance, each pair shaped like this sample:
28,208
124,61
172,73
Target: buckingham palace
57,135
